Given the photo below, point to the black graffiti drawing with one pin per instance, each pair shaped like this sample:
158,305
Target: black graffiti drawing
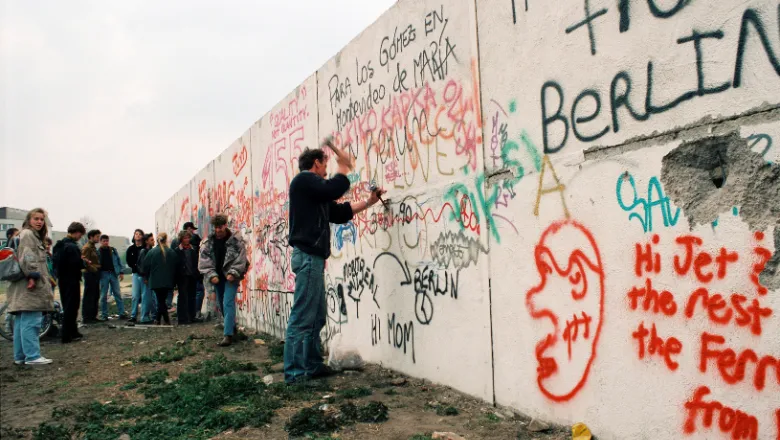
624,8
400,335
514,11
358,277
404,267
621,97
456,249
588,21
428,284
336,304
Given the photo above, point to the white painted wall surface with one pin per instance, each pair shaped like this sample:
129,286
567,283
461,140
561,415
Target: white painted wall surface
183,207
277,141
477,197
404,96
233,197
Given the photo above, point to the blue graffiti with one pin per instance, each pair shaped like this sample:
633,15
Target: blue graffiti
346,232
734,212
646,218
755,139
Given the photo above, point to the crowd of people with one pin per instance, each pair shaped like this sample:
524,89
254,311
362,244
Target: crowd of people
220,261
158,268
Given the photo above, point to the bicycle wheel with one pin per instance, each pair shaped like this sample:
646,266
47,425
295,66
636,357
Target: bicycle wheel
45,325
6,323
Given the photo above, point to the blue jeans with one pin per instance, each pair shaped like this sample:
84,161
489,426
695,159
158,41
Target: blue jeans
302,346
27,325
226,298
138,290
148,304
109,279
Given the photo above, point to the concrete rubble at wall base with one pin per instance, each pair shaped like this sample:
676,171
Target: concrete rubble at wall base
584,223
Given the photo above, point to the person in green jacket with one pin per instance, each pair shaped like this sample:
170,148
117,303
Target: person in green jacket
159,266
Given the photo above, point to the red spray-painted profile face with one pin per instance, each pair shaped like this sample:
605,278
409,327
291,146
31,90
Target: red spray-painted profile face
568,305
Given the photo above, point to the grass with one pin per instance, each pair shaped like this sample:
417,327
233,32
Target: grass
316,419
216,397
168,355
299,391
220,365
52,432
275,348
354,393
492,418
442,410
421,437
114,310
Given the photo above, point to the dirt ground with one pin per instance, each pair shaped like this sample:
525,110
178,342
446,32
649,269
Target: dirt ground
106,366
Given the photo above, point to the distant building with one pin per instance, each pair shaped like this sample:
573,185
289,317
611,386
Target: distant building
13,218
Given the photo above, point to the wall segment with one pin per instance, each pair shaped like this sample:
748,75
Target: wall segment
583,221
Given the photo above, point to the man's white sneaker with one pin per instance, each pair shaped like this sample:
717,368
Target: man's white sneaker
40,361
18,362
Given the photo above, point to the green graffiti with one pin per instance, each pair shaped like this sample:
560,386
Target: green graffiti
512,106
487,206
514,165
530,148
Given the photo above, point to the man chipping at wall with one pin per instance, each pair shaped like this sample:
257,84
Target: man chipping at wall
312,208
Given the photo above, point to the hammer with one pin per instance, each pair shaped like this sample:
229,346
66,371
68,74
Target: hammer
328,142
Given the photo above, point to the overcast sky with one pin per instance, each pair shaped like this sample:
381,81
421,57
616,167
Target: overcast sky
108,107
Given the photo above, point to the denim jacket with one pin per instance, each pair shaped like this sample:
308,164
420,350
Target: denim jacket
118,266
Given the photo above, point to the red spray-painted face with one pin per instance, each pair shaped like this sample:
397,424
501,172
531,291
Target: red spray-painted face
568,304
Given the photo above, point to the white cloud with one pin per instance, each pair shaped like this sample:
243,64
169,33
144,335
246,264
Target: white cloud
108,107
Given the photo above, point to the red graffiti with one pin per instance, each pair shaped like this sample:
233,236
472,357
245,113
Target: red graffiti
651,261
658,303
777,416
730,421
571,331
700,261
764,255
732,366
580,283
657,345
411,123
289,117
184,210
719,312
239,161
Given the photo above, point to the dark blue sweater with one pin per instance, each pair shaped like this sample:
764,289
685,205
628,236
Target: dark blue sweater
313,208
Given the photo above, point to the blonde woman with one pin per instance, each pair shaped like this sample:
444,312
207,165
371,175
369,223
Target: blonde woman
160,265
29,297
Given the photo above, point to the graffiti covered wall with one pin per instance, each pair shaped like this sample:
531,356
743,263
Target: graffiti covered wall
584,207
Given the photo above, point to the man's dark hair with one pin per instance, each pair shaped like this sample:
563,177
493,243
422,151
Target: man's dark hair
307,158
10,233
103,237
219,220
76,227
139,230
47,240
92,233
146,238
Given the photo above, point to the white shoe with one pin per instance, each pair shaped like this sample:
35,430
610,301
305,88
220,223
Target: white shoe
18,362
40,361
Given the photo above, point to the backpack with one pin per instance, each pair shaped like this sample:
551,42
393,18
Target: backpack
10,269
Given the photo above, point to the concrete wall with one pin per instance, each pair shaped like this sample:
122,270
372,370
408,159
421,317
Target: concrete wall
584,210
